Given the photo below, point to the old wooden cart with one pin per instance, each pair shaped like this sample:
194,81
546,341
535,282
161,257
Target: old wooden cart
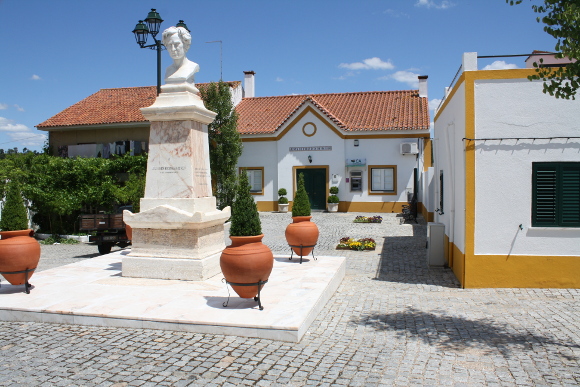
107,230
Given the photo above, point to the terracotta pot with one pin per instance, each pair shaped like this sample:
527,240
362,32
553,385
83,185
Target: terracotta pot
11,234
247,260
302,232
129,232
18,251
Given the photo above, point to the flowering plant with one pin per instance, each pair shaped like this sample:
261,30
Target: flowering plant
356,244
368,219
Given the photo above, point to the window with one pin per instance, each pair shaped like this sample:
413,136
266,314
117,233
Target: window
383,179
256,179
556,194
356,181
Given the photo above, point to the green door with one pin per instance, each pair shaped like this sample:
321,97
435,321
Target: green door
315,184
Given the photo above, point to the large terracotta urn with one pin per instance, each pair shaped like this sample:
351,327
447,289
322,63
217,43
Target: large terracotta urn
302,232
18,252
247,260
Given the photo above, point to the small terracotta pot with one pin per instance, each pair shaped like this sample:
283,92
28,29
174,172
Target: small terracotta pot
18,252
302,232
247,260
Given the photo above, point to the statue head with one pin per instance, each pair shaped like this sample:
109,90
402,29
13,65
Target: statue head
177,41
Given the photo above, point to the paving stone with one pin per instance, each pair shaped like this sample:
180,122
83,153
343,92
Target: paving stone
392,321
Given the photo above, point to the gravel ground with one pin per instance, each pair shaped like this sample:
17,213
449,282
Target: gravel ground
58,255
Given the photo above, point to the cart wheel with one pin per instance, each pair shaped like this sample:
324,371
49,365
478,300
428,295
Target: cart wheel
104,248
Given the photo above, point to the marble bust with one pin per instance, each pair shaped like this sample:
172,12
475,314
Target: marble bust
177,41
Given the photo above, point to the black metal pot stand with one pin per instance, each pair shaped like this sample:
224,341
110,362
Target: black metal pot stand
301,247
256,298
27,285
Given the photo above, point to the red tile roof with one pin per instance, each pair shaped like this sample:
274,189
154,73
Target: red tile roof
110,106
362,111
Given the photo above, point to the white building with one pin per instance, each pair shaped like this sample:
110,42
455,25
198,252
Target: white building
371,145
368,144
507,175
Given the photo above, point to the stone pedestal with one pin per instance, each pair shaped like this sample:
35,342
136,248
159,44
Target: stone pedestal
179,233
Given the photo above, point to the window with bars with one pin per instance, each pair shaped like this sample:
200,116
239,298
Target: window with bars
256,179
556,194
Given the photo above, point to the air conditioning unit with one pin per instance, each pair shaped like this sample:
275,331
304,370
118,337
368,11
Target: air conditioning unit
409,148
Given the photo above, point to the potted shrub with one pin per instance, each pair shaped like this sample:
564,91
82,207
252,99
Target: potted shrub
333,200
247,260
302,234
282,200
19,252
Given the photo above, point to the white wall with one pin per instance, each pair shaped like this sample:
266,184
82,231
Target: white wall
237,94
429,197
262,154
381,151
449,156
323,136
518,108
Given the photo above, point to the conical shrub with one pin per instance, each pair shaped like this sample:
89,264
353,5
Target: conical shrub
245,218
14,215
301,205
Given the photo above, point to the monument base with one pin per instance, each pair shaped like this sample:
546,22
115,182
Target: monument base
171,268
181,239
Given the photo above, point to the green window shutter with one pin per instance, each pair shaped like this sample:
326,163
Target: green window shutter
570,194
556,194
544,196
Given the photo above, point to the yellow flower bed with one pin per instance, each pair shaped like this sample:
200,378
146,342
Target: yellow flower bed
347,243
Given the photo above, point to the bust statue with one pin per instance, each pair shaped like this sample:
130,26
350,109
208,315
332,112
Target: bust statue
177,41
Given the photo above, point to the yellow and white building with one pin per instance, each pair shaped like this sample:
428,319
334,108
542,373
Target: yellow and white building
507,180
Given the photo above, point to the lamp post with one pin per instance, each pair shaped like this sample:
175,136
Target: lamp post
152,27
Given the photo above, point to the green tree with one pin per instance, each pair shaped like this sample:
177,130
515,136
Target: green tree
245,218
301,204
129,191
225,146
60,189
562,21
14,214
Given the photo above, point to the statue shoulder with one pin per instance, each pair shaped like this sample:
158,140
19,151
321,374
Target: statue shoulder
184,73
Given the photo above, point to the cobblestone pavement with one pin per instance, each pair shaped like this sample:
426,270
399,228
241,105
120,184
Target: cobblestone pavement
392,322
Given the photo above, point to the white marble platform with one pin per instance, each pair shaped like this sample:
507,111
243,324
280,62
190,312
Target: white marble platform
93,292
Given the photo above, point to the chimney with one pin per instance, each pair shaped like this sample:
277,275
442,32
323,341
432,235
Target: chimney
249,91
423,85
469,62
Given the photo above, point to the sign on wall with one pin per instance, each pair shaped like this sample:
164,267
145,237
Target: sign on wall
310,148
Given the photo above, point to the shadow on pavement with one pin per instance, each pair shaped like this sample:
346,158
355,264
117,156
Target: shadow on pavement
87,256
460,334
404,260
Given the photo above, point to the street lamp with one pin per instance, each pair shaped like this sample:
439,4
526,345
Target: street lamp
152,27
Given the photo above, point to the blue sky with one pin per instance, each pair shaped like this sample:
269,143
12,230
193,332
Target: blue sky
57,52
